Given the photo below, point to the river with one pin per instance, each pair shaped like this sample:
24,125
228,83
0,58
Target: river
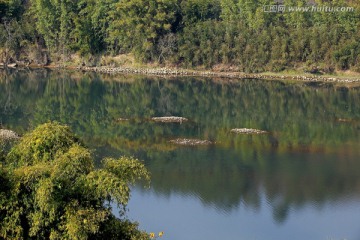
299,181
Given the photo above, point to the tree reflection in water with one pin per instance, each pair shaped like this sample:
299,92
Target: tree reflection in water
308,157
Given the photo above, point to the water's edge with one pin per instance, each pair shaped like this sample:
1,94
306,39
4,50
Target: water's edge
170,71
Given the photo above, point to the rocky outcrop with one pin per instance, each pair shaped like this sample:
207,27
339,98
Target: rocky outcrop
8,135
247,131
170,119
190,142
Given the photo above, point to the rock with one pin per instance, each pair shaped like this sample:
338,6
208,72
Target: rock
190,142
344,120
247,131
170,119
12,65
122,119
8,135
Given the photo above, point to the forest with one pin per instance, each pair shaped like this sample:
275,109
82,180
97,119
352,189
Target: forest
213,34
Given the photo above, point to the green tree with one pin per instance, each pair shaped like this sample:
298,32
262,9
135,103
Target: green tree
55,22
11,9
230,11
139,24
297,19
11,37
52,190
92,25
47,14
194,11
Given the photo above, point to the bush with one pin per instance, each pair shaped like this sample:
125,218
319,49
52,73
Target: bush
51,189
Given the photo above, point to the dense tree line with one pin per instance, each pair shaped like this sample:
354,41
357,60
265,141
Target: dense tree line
190,33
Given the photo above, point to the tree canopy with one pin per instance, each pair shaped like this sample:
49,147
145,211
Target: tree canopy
51,189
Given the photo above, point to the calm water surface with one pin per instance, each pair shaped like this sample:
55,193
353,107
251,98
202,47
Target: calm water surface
301,181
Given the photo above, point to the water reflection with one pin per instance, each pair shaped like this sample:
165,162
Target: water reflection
222,177
182,217
310,157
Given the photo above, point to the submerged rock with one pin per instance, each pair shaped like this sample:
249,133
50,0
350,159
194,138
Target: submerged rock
8,135
170,119
190,142
247,131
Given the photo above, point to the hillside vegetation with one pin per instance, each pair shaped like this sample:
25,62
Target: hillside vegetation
220,34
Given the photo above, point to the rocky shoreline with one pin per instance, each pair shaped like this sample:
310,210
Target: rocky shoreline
170,71
183,72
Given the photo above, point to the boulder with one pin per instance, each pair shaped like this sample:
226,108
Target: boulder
170,119
8,135
248,131
190,142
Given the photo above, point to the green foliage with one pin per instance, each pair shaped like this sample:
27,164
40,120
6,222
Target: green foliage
47,15
114,179
348,55
42,145
194,11
10,9
11,40
92,25
3,149
138,25
114,229
207,33
51,189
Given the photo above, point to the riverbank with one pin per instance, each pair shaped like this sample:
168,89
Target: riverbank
166,71
341,77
